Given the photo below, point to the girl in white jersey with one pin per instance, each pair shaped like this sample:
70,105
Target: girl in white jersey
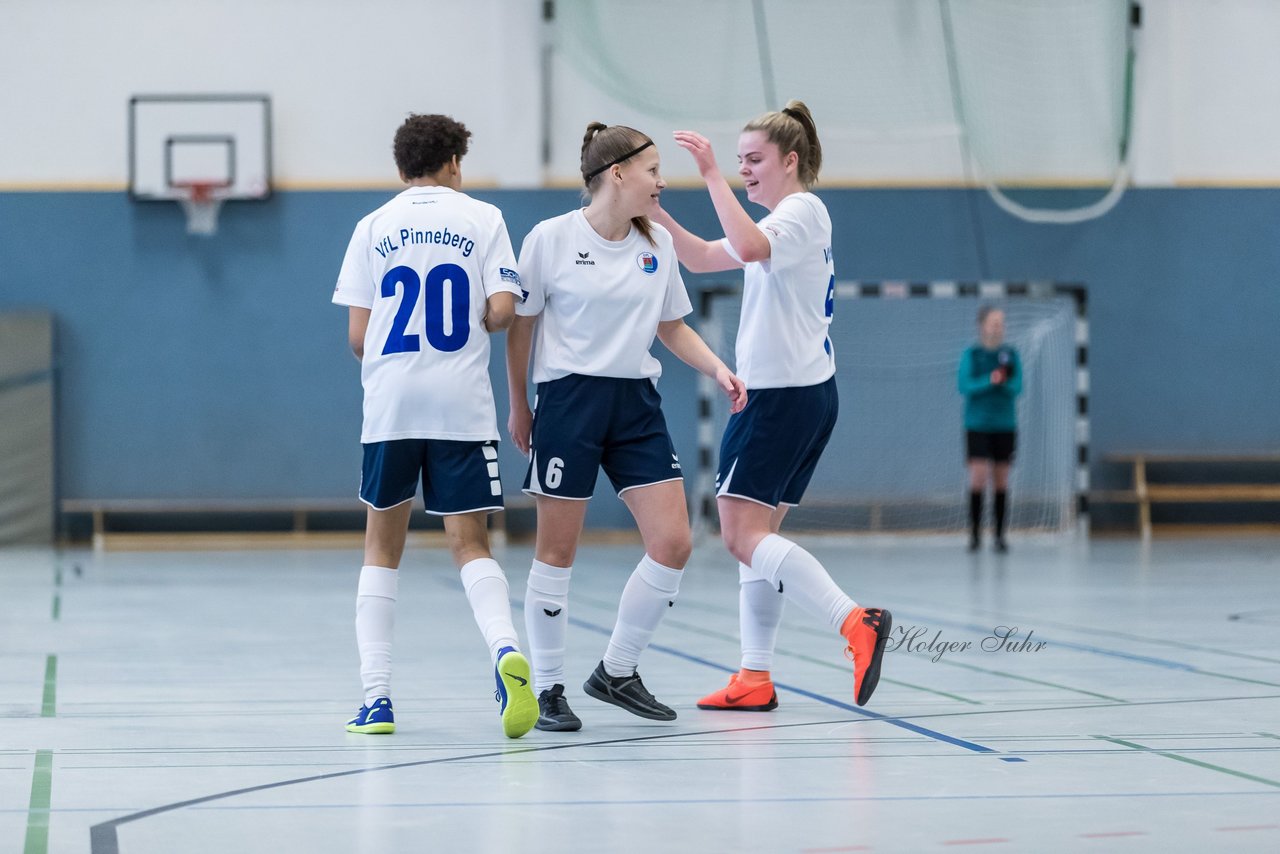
600,283
428,406
771,448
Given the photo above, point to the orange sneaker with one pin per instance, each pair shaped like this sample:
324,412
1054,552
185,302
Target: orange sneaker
867,631
738,696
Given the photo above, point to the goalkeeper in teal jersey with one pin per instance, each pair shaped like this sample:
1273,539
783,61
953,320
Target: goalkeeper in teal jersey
990,380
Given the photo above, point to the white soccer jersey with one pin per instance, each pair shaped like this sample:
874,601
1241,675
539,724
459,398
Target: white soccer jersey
787,300
599,302
425,263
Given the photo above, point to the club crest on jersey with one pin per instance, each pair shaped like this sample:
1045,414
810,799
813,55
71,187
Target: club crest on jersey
648,262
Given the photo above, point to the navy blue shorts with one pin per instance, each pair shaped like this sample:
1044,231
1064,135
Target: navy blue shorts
457,477
771,448
998,445
582,423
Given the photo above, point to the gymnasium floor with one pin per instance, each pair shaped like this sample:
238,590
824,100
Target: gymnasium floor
194,702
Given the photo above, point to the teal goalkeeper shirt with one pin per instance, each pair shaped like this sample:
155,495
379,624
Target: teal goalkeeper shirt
990,408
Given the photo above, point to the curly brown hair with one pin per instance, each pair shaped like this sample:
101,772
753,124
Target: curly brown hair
424,144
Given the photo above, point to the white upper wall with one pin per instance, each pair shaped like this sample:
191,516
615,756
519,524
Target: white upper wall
342,76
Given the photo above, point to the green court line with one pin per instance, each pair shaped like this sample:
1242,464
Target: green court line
1018,678
1199,671
1269,735
48,707
1189,761
37,841
1099,632
815,632
699,630
57,606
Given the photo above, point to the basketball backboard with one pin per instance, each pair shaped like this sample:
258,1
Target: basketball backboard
180,141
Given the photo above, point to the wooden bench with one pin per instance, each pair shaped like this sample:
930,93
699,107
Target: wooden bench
515,522
223,521
296,513
1144,493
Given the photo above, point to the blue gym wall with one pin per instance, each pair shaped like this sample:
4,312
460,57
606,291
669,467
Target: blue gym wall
217,368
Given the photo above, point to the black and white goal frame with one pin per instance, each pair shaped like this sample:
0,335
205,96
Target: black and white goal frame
704,495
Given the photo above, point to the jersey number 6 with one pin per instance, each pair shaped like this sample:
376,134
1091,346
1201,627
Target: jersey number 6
439,277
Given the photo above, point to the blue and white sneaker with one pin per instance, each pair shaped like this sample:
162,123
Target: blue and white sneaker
377,719
519,708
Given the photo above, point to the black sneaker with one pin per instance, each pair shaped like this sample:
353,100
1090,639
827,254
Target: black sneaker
554,714
626,692
974,544
1001,546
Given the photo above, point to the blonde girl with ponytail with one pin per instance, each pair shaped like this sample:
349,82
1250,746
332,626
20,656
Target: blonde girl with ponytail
771,448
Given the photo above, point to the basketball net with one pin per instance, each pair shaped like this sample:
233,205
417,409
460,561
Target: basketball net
201,202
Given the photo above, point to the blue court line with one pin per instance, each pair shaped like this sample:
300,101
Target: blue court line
1142,659
830,701
1096,650
928,733
1112,653
1058,624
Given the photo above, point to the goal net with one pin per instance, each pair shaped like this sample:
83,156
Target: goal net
1029,98
895,462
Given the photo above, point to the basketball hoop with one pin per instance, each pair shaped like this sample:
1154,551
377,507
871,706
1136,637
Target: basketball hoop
200,201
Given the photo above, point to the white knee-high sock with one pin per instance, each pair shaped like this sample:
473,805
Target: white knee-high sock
799,576
650,591
375,625
546,616
490,599
759,615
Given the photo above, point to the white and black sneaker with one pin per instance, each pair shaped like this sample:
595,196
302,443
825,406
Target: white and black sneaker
626,692
554,714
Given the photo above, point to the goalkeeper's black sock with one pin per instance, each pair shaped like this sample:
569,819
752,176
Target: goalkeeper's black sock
975,518
1000,504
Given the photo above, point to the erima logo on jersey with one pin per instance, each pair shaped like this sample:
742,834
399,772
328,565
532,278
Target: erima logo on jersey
584,261
648,262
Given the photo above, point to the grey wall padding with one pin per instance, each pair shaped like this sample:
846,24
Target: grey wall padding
26,429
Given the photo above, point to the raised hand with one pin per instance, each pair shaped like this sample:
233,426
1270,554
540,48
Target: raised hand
700,147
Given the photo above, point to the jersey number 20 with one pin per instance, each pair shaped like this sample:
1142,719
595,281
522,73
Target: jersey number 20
437,279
